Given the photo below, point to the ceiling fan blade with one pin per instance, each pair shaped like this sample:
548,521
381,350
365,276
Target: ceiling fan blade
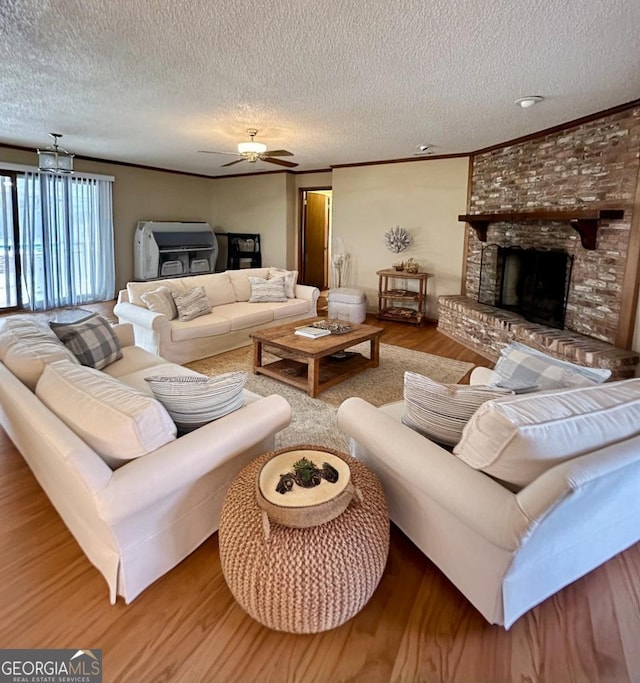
280,162
231,163
209,151
278,153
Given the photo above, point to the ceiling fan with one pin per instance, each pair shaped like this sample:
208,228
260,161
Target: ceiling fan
253,151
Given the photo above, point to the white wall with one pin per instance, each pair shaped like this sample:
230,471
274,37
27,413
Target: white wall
256,204
425,197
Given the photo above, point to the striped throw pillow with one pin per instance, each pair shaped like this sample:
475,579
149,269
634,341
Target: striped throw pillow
191,304
267,291
441,411
290,279
194,401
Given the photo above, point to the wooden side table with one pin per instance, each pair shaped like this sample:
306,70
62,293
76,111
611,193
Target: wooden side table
399,303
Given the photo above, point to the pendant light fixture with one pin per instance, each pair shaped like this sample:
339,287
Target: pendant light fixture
55,159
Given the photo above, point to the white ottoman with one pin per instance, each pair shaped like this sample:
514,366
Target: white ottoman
347,303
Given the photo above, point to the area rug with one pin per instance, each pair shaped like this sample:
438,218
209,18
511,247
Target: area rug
314,419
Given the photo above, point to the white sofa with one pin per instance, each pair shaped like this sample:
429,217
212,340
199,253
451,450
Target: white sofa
227,327
507,548
136,522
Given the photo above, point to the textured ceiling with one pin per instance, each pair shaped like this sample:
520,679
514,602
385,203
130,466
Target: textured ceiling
345,81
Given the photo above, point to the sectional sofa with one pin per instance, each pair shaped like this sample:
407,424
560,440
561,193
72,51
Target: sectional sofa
229,324
137,498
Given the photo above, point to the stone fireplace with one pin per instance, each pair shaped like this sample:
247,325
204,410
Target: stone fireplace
528,199
531,282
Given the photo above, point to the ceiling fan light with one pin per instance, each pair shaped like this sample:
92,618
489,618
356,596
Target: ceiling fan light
251,148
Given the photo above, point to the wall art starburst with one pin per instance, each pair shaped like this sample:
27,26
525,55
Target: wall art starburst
397,239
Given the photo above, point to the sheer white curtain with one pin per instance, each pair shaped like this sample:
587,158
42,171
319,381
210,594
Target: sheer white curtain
66,238
8,290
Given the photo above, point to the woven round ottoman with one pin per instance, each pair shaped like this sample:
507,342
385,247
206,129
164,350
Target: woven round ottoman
304,580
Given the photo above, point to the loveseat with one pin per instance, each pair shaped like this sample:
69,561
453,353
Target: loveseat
233,316
135,514
541,488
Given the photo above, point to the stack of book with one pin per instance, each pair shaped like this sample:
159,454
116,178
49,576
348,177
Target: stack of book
312,332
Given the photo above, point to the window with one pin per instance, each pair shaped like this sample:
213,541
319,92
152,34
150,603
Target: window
65,240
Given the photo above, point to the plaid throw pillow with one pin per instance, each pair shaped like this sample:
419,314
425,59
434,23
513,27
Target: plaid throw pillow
520,366
92,340
194,401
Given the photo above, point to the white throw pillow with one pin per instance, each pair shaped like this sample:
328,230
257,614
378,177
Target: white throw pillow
92,341
520,367
27,358
441,411
290,280
516,439
160,301
118,422
191,304
267,291
135,290
194,401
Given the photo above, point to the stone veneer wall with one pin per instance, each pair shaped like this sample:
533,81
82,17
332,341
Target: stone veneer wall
589,166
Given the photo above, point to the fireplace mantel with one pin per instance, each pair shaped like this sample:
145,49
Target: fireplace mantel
586,222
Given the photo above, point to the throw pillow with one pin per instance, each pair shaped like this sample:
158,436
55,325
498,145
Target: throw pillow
92,340
290,279
27,347
267,291
118,422
191,303
441,411
194,401
521,366
518,438
161,301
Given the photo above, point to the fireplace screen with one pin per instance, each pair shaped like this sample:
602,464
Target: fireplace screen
531,282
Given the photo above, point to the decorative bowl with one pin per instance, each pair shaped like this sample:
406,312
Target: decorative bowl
411,266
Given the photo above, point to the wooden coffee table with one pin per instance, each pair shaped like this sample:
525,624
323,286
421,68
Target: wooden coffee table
308,363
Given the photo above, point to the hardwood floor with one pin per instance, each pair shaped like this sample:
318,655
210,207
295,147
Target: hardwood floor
187,628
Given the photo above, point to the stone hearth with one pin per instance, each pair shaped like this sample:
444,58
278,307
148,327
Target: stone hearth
487,330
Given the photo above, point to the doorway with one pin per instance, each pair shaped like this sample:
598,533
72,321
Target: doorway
315,229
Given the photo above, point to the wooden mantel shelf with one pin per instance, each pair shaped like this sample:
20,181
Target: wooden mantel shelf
586,222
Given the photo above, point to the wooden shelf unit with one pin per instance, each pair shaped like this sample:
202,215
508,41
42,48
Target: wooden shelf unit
399,304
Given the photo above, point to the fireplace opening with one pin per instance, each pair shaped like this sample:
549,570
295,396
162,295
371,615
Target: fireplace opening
531,282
